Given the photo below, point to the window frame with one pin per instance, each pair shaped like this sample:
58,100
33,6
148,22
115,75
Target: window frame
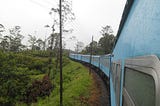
127,98
149,65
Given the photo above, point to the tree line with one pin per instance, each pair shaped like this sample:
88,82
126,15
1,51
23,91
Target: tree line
12,41
104,45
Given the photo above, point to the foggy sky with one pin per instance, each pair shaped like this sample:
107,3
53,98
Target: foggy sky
33,15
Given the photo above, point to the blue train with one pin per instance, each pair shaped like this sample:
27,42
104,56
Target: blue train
133,68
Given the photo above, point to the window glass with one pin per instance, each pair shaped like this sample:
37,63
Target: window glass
140,87
124,102
113,74
118,79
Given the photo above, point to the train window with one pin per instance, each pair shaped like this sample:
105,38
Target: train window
114,74
118,81
125,102
107,62
140,87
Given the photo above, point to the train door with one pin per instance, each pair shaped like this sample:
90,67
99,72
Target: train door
141,81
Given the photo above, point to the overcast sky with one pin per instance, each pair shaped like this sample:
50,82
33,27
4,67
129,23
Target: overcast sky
33,15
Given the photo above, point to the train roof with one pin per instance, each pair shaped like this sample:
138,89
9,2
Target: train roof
126,11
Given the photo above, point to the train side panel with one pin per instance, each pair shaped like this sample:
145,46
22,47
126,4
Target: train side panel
140,34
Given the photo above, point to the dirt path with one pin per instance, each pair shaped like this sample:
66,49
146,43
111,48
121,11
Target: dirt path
99,92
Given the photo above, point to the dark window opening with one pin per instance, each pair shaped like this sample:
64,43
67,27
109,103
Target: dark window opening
140,87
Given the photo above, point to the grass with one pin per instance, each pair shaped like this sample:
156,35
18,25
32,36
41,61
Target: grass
37,77
76,85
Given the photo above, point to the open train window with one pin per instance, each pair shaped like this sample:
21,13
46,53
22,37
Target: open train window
139,87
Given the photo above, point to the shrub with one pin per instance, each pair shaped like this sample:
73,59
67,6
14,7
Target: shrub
39,88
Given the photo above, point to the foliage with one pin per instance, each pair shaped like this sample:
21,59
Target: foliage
12,41
15,72
76,84
4,43
32,40
1,28
36,44
15,39
105,43
40,53
19,81
79,46
40,44
67,14
13,81
39,88
95,48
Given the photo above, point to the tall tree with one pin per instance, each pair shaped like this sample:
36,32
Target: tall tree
32,40
95,48
67,17
15,38
107,40
2,29
40,44
79,46
105,43
106,30
5,43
